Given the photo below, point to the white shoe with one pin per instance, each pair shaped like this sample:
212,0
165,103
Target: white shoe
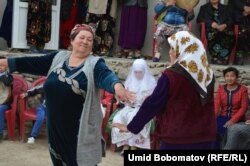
31,140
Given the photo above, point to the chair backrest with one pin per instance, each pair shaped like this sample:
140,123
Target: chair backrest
33,101
20,85
39,81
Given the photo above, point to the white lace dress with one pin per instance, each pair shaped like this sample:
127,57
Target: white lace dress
124,116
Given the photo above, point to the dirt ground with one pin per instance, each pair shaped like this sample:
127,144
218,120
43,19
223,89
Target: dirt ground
16,153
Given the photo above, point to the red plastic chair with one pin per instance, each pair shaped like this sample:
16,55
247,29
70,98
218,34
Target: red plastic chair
107,100
154,30
20,85
111,107
28,113
204,40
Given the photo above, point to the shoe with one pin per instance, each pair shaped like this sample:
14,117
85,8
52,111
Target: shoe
31,140
120,54
122,152
239,60
117,54
5,134
130,55
133,148
156,59
137,55
1,137
125,147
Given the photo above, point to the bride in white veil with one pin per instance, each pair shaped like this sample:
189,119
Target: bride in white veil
141,81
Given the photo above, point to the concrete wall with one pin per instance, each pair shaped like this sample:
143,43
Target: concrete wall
121,68
147,49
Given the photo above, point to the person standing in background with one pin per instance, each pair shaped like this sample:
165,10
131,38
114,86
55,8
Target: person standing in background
174,19
38,31
3,4
133,28
6,24
71,12
102,16
241,14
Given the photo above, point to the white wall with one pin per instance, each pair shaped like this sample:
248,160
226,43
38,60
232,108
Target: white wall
147,49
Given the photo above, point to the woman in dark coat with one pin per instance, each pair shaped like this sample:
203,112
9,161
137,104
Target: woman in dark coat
219,30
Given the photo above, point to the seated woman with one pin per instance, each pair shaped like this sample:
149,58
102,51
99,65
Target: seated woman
175,19
141,81
231,101
219,30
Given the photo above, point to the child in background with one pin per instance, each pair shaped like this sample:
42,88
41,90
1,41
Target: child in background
174,19
38,92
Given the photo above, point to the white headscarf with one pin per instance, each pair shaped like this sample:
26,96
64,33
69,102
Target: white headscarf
138,86
191,56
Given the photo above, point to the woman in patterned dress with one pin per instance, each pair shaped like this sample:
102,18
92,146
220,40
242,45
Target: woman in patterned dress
219,30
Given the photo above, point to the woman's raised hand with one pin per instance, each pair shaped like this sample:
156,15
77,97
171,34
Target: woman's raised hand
123,94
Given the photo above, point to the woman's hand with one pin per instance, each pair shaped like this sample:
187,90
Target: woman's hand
222,27
246,9
123,94
245,13
121,127
214,25
247,122
228,124
23,95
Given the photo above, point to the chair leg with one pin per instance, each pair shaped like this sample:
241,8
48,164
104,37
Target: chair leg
10,126
11,129
232,56
10,133
234,50
113,147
